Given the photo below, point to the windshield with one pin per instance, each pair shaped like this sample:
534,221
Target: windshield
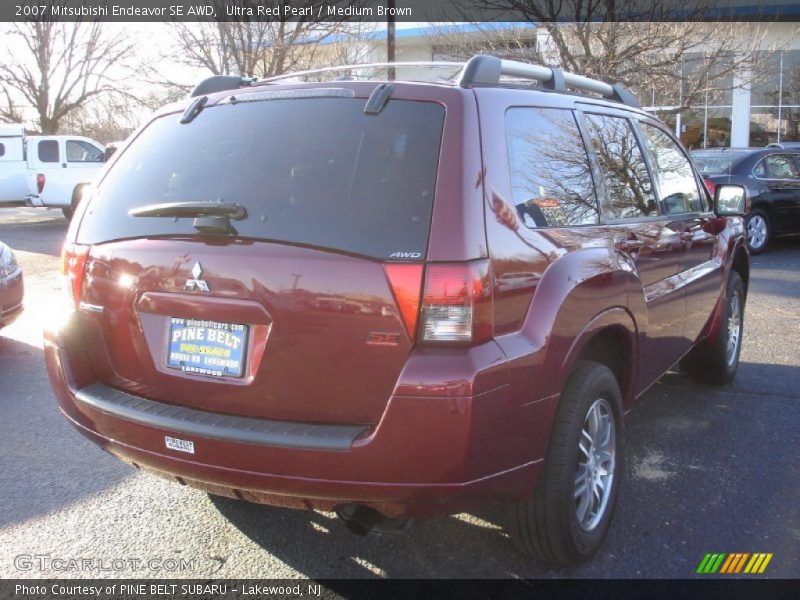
314,171
717,163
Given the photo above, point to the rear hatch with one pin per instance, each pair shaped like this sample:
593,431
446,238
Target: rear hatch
290,313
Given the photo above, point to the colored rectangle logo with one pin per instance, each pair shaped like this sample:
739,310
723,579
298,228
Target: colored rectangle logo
733,563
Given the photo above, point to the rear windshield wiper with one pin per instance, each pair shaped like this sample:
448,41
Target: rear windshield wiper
209,217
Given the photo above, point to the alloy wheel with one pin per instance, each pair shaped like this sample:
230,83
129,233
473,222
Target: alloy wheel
757,232
596,465
734,327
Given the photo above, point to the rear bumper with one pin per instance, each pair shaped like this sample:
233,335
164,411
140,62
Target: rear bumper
401,499
12,291
427,456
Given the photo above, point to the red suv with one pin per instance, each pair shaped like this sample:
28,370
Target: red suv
397,300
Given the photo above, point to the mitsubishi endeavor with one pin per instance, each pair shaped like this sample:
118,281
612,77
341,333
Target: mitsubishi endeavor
397,299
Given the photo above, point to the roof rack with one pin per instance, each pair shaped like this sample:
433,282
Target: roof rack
378,65
487,70
481,69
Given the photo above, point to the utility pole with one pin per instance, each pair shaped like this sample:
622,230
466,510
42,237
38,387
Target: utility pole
390,54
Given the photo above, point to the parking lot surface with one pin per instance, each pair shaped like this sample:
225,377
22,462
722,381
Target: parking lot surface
706,470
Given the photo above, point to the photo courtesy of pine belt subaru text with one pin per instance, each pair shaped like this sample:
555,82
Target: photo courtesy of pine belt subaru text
397,299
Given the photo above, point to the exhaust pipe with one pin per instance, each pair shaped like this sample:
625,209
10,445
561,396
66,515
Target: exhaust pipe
359,519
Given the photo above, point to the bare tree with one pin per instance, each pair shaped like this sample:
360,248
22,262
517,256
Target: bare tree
254,48
631,42
57,67
112,118
450,41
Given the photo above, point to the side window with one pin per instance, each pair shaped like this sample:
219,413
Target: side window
675,180
48,151
629,191
80,151
2,150
551,179
777,166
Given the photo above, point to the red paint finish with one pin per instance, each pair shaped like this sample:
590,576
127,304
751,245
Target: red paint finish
336,338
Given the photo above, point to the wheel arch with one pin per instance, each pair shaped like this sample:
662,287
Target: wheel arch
588,294
610,339
741,264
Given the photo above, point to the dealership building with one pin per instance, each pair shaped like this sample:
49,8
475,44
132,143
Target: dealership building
754,104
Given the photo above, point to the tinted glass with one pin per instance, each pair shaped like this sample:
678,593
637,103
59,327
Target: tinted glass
777,166
717,162
80,151
551,178
308,171
675,180
48,151
629,192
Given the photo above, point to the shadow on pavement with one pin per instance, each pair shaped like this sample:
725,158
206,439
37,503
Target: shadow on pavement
458,546
39,237
45,465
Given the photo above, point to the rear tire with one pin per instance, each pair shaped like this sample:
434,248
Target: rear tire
565,520
717,360
69,211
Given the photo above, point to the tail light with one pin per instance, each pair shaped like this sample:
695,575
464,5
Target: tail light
40,181
73,267
710,186
406,281
456,303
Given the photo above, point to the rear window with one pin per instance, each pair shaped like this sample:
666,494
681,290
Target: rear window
48,151
313,171
718,163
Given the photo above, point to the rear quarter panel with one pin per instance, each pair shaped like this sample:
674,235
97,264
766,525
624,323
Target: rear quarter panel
553,288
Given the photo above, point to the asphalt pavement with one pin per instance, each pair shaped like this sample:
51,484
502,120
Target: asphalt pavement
706,470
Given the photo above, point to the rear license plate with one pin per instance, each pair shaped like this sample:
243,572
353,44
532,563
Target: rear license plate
207,347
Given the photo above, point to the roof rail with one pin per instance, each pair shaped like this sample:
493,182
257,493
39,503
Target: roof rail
487,70
481,69
378,65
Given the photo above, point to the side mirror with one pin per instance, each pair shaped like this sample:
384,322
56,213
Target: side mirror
730,200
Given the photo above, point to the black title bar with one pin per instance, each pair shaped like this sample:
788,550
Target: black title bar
403,10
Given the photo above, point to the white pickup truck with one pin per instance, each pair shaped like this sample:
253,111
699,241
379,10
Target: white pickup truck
47,171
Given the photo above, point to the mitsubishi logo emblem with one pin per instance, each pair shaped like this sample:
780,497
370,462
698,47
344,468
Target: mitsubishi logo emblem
196,283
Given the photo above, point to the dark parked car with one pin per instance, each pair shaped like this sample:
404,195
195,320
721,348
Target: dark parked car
790,145
11,286
540,257
772,178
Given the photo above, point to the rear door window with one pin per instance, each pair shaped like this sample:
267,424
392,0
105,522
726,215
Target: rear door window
777,166
551,179
2,150
311,171
48,151
80,151
629,191
675,180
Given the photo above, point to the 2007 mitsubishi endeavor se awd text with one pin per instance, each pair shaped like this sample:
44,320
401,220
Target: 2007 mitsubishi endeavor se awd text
397,299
